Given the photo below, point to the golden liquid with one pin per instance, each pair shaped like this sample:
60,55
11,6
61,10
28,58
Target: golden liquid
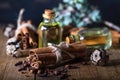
52,34
95,40
96,37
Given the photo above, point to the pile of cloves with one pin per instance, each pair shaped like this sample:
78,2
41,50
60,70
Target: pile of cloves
33,65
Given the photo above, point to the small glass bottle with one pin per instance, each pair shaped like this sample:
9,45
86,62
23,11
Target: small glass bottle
49,30
96,37
93,37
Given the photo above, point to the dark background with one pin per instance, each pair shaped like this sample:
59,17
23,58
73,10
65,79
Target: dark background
9,9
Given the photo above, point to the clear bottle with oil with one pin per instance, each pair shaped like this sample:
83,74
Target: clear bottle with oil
49,31
96,37
92,37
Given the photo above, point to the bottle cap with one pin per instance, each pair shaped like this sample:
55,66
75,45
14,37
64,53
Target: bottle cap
48,14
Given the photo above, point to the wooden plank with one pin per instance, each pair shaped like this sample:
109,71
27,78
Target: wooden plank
74,72
11,72
94,73
116,63
3,56
111,69
82,73
109,72
2,69
102,73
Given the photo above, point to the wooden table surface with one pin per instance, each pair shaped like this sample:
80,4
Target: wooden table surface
84,72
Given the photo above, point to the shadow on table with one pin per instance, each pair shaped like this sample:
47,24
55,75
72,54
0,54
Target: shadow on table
114,62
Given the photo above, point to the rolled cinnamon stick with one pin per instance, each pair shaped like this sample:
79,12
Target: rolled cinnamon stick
22,53
41,50
76,47
33,42
46,59
18,34
25,31
27,52
25,42
32,36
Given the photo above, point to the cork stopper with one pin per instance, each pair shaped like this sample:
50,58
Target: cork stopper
48,14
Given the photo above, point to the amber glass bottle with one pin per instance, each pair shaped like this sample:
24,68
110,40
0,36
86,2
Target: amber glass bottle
49,30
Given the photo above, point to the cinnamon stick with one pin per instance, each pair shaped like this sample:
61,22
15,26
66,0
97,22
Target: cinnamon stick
25,31
41,50
25,42
76,47
45,59
18,34
32,36
27,52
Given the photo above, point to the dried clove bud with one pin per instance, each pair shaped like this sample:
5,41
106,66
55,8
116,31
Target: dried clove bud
39,71
22,68
26,64
31,71
63,76
56,73
50,73
67,66
19,63
43,74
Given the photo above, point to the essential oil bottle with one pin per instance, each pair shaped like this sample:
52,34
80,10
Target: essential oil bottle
93,37
96,37
49,30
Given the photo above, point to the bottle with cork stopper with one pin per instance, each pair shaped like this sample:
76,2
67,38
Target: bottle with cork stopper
49,30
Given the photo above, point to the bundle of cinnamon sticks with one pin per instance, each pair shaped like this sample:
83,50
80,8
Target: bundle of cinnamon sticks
27,36
44,57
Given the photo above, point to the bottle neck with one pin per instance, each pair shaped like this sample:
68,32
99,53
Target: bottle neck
52,20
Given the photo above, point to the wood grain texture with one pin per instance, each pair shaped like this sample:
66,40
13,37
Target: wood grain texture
81,72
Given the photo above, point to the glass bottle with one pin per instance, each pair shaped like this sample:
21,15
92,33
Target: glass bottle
49,30
93,37
96,37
